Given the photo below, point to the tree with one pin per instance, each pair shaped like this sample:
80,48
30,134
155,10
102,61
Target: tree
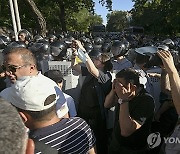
4,13
64,10
116,21
159,17
58,14
83,20
39,16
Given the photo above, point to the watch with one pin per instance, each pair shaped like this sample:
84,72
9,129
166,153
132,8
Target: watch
121,101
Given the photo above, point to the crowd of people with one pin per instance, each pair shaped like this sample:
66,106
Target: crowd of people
117,110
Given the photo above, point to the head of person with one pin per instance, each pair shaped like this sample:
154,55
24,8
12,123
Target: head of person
24,36
13,134
35,97
129,76
56,76
52,38
118,48
19,62
101,60
141,59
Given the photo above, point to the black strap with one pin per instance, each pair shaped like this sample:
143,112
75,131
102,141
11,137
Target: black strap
45,148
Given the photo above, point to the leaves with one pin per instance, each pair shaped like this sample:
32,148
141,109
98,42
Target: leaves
160,17
116,21
75,15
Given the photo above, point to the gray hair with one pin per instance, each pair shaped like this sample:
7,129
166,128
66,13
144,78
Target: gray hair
13,136
26,55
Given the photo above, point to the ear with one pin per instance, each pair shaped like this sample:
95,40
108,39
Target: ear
32,67
23,116
60,85
30,147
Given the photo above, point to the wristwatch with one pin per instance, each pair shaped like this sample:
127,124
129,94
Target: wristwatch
121,101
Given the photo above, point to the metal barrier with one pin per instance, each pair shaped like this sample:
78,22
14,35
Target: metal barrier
156,82
72,80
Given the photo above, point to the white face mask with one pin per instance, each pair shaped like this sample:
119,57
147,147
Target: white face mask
23,78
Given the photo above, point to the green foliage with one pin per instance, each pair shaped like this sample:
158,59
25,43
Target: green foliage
5,14
82,20
78,15
160,17
54,13
116,21
107,3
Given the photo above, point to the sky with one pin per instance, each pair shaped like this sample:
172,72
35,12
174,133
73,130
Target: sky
123,5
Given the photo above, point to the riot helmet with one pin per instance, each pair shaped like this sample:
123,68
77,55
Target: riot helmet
4,41
106,47
88,47
58,49
98,40
118,48
37,38
52,38
95,53
39,47
24,35
15,44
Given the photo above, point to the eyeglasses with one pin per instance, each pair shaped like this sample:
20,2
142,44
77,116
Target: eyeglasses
11,68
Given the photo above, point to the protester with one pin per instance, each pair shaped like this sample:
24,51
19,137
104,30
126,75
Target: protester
13,134
166,116
135,110
94,89
120,62
19,63
168,63
57,77
35,98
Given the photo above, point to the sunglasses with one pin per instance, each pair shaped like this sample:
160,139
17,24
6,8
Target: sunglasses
11,68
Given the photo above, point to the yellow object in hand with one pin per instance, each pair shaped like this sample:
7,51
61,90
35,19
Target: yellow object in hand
77,60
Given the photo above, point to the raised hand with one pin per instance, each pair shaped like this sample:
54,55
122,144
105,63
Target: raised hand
123,92
167,60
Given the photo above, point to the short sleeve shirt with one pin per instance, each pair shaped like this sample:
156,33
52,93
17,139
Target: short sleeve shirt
72,135
141,109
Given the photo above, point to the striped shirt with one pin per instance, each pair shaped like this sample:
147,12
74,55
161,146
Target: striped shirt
71,135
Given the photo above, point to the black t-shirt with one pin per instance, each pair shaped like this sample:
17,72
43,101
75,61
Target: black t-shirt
141,109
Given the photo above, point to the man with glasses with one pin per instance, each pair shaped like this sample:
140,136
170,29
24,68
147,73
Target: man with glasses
20,63
35,99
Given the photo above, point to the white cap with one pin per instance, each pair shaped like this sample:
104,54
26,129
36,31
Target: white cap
31,92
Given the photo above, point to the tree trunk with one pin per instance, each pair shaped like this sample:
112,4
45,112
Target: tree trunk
62,16
41,20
